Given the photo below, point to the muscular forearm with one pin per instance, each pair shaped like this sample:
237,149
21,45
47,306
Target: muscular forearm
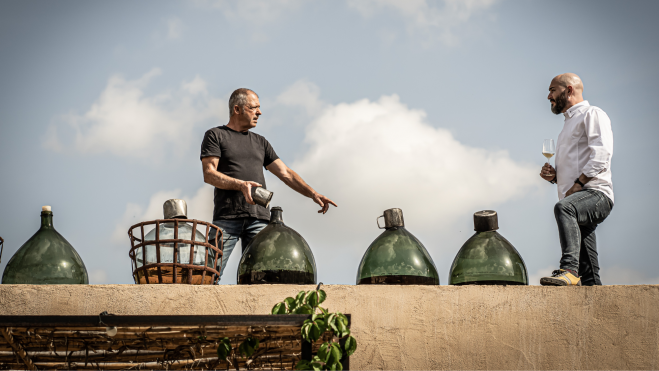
221,181
296,182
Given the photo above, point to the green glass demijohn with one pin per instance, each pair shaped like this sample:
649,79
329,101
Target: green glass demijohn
396,257
46,258
487,258
277,254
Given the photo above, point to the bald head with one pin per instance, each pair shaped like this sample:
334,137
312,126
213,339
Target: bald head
569,79
565,91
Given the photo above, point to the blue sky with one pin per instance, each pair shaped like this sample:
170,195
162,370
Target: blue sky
436,107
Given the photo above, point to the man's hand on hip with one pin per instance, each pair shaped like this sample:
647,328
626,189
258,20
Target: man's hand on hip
548,172
246,188
323,201
575,188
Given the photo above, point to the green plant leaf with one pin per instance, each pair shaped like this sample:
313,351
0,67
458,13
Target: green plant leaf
336,353
306,327
316,363
342,327
304,309
290,304
321,296
313,298
331,322
322,326
324,352
248,347
223,349
245,350
350,345
279,308
299,299
335,366
314,332
325,312
253,342
303,365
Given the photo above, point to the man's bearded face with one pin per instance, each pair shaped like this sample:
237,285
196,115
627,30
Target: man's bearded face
559,103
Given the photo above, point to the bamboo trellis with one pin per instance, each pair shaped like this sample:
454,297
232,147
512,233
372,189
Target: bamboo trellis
150,342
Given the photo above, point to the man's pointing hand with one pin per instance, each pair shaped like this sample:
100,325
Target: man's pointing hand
323,201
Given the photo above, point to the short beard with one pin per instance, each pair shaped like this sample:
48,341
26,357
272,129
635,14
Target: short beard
559,103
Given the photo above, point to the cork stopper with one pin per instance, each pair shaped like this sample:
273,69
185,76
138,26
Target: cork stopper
486,220
46,208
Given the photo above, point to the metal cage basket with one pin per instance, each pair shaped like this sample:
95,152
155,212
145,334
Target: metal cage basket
159,259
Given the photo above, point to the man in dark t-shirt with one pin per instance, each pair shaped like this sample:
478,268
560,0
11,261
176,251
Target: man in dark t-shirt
233,159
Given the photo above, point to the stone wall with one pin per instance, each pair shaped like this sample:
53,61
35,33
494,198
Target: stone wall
415,327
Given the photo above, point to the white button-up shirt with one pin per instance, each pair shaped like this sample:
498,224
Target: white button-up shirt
585,146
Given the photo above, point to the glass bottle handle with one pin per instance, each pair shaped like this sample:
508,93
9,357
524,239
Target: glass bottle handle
377,220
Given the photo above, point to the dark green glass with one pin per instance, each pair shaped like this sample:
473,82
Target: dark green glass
488,259
396,257
46,258
277,254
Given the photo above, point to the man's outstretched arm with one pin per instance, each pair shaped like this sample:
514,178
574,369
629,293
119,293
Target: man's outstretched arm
221,181
293,180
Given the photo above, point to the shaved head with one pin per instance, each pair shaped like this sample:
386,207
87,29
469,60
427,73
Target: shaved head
569,79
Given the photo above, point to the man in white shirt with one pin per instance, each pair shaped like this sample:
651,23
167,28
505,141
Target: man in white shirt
583,176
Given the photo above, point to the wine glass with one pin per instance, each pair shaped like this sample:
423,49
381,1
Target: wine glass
548,149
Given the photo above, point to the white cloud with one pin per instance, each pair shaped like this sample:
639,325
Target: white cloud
253,11
124,121
425,18
174,29
200,207
366,152
302,94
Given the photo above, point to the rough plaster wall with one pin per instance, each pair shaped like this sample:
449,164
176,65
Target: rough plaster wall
415,327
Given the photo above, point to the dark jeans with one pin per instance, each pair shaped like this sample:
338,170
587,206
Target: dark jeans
233,229
577,217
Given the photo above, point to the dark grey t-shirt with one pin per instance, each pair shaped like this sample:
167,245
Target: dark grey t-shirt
242,156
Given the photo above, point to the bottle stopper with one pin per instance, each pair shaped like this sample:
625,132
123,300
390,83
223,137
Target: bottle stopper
486,220
46,208
393,218
175,208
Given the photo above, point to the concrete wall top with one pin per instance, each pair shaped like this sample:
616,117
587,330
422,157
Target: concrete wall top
414,327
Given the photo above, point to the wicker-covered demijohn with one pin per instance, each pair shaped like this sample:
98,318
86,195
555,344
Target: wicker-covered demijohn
163,259
175,251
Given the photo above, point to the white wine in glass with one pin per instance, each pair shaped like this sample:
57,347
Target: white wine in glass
548,149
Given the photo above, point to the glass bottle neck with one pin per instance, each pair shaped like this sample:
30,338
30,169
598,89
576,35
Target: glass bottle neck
276,216
46,219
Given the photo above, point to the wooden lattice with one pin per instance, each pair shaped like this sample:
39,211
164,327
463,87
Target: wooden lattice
150,342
